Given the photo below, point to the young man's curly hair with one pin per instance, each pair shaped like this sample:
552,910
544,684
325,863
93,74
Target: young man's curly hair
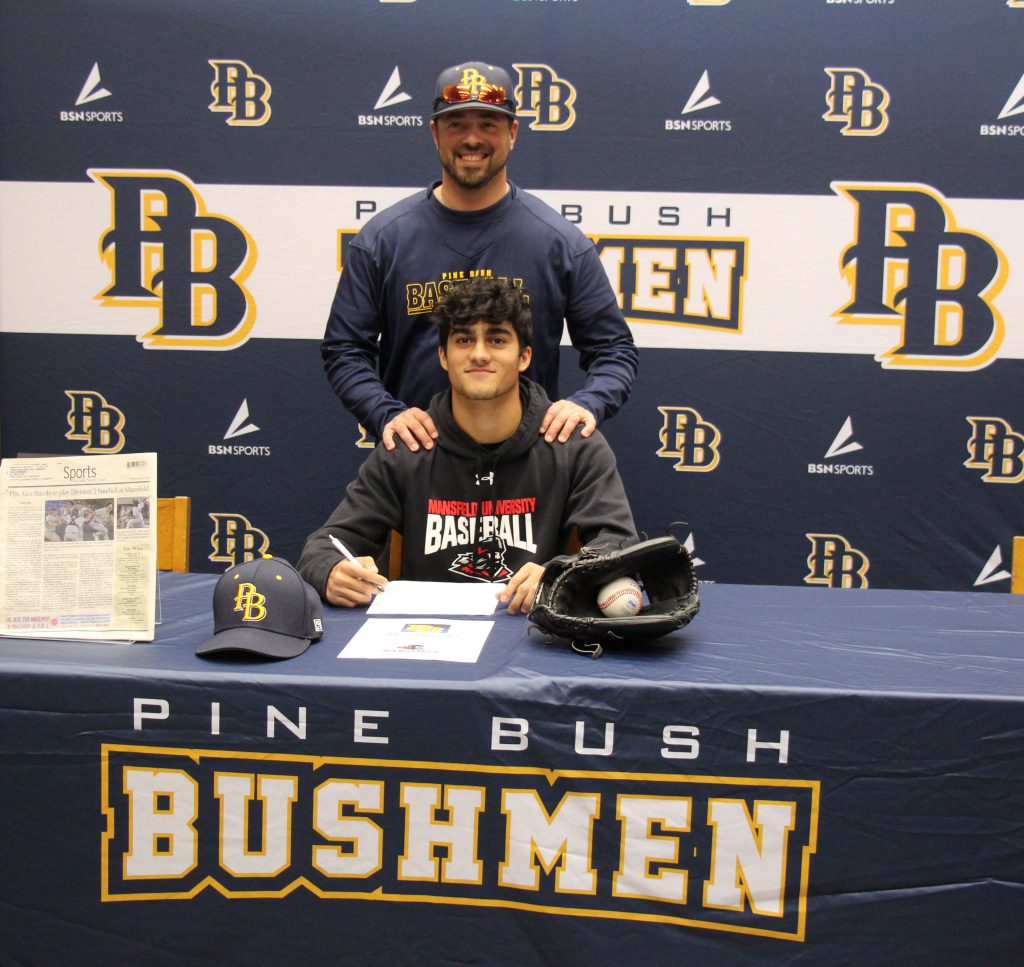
483,299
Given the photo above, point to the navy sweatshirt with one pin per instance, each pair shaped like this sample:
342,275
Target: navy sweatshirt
406,257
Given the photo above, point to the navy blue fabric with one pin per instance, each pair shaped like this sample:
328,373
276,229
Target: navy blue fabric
906,707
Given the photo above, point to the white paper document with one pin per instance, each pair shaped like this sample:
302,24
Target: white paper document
435,639
78,547
435,597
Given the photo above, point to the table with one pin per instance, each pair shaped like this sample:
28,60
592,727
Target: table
802,775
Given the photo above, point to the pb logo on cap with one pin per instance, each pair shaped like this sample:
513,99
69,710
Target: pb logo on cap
250,603
263,608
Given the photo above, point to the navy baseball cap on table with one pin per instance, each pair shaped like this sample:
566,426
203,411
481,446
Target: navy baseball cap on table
264,608
474,85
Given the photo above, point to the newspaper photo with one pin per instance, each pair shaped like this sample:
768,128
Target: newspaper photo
78,547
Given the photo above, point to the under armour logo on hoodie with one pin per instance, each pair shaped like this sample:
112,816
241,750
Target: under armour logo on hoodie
485,478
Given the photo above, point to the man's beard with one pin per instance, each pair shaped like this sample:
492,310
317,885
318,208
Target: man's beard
478,178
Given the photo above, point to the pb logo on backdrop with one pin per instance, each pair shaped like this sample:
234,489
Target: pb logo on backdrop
235,540
165,251
996,449
856,103
688,439
545,97
93,420
912,267
836,563
240,92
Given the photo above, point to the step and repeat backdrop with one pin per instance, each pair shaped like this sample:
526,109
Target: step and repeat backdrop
811,212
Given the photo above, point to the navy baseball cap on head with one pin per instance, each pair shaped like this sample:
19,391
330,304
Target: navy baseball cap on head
263,607
474,85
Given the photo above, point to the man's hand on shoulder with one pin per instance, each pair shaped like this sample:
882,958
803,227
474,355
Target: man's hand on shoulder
563,417
413,426
520,590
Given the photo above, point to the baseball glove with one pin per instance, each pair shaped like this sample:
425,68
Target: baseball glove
565,604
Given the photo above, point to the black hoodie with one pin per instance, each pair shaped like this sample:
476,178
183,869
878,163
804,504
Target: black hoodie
469,511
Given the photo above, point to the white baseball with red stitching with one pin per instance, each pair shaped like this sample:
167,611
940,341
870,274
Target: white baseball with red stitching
621,598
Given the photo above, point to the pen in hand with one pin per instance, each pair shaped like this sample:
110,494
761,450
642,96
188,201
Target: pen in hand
351,557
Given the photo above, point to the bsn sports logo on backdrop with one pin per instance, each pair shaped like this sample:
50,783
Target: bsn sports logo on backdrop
843,444
1013,107
240,425
700,99
994,572
910,266
92,91
166,251
391,95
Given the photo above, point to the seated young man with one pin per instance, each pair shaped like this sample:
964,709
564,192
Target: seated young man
491,501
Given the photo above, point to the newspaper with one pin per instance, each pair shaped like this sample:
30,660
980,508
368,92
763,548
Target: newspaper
78,547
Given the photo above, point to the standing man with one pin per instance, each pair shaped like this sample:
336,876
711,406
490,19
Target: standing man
491,501
379,345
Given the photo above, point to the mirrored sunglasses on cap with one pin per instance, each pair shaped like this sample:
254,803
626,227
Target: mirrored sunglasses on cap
483,93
